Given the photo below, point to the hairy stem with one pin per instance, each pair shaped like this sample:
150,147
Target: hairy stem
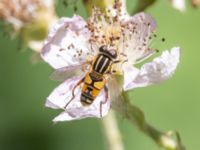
142,5
136,117
111,132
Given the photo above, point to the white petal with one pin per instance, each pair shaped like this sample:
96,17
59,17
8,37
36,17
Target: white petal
130,73
62,94
67,43
161,68
135,41
141,19
75,110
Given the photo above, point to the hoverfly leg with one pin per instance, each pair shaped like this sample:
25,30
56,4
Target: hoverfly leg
103,102
73,95
126,60
120,61
116,61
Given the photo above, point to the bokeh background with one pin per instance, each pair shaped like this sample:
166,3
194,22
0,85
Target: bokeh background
175,104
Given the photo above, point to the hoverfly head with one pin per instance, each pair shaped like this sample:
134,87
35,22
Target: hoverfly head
111,52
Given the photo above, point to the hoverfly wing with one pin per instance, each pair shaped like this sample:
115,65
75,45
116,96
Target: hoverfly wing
64,73
115,91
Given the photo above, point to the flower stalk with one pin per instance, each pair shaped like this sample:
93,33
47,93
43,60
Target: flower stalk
142,5
111,131
136,116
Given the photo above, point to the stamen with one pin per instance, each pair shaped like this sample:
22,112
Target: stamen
146,56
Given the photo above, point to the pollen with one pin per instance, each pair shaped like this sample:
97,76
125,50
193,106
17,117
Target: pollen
105,28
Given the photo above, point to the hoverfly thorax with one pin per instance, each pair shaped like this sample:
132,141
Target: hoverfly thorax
104,60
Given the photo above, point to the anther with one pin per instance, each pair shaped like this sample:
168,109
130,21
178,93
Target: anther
163,39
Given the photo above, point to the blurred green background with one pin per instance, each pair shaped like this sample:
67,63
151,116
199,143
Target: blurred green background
26,124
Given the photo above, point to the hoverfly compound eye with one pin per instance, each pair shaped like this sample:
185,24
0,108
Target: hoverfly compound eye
113,53
103,48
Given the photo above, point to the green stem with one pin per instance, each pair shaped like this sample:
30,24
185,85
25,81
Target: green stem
136,117
112,132
142,5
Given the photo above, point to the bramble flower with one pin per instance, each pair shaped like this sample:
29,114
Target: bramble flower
73,43
30,19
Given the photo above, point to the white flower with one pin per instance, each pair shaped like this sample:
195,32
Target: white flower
30,19
20,12
73,42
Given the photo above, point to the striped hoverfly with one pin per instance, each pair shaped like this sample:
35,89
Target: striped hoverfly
97,75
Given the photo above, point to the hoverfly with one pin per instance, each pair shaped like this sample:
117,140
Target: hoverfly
95,79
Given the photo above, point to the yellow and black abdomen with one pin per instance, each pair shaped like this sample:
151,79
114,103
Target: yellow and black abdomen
91,88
